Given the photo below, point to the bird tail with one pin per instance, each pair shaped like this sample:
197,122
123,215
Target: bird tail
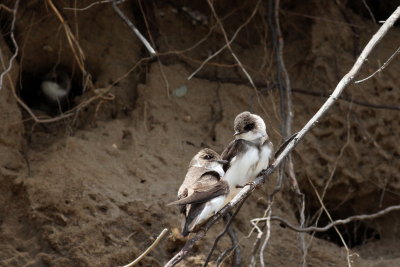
185,228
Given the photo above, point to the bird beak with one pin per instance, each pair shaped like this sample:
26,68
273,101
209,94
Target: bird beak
236,133
223,162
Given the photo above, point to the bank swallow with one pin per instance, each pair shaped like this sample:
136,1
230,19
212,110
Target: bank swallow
203,191
248,154
55,87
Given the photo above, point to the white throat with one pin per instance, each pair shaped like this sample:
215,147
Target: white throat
256,138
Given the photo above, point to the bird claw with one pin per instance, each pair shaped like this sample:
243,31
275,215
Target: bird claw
248,183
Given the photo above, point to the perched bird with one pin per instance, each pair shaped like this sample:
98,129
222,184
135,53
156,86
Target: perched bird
248,154
55,87
203,191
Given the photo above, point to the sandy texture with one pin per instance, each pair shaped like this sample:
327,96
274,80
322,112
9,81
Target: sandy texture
93,191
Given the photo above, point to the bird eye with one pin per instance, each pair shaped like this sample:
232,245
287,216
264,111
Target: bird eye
208,156
248,127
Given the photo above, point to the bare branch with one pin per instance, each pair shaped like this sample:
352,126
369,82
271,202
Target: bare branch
347,99
337,222
227,226
237,258
150,248
247,190
10,63
6,8
267,235
265,87
93,4
285,91
134,29
369,11
77,51
381,68
228,42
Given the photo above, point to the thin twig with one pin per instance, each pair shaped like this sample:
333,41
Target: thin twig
285,91
134,29
260,231
354,101
150,248
6,8
267,87
336,229
267,236
247,190
319,213
10,63
228,42
237,258
93,4
369,11
77,51
381,68
336,222
227,225
287,99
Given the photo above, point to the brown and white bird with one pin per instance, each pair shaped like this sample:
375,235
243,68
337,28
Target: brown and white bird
203,191
248,154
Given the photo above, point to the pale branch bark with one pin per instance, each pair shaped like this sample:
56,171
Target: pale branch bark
247,190
10,63
336,222
134,29
150,248
381,68
343,83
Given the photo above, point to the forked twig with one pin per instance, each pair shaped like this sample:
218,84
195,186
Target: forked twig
228,42
247,190
381,68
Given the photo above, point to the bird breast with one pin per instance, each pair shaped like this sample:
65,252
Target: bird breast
242,167
264,156
53,90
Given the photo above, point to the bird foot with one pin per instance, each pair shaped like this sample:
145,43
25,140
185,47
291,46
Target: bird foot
248,183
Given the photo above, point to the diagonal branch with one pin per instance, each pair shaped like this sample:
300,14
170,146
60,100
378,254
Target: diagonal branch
134,29
247,190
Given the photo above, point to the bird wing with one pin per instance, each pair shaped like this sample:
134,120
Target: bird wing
284,144
232,150
203,192
193,174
